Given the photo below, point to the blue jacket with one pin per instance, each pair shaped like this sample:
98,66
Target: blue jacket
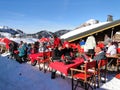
22,51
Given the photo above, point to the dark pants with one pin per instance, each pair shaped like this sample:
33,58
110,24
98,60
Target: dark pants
91,51
20,59
53,73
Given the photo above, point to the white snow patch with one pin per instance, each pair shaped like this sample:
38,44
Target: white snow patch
15,76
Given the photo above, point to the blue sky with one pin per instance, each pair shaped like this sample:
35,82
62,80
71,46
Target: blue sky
32,16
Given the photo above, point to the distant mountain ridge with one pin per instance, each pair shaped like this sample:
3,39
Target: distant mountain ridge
44,33
6,29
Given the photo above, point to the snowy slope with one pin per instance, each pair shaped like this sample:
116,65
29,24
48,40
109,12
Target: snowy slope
27,40
15,76
7,32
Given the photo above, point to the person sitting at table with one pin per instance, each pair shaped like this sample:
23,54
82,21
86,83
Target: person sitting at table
33,49
57,53
112,49
43,47
99,54
67,52
29,48
21,57
111,52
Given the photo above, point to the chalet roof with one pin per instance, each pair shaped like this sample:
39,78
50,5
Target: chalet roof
89,30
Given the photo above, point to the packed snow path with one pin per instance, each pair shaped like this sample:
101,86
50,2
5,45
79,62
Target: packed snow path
15,76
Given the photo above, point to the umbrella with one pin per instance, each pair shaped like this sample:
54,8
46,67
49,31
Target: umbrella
5,40
44,40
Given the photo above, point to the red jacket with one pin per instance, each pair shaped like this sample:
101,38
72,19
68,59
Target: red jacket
57,42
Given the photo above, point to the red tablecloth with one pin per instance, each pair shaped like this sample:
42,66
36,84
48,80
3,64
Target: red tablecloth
63,68
33,57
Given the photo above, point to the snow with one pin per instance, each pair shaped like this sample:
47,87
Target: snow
27,40
5,34
91,21
81,30
1,27
15,76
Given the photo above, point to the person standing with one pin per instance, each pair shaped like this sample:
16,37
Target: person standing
57,41
90,45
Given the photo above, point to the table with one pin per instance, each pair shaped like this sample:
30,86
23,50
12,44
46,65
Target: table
112,57
34,57
63,68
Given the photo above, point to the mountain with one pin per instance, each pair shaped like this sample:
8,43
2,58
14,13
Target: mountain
61,32
5,30
45,33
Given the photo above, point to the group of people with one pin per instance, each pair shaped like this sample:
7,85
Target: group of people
101,50
63,50
22,50
98,49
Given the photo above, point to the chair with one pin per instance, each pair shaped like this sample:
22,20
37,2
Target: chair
44,59
102,71
84,78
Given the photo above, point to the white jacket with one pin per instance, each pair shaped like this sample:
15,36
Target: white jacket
90,43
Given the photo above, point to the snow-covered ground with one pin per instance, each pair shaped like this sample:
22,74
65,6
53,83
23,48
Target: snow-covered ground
27,40
15,76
